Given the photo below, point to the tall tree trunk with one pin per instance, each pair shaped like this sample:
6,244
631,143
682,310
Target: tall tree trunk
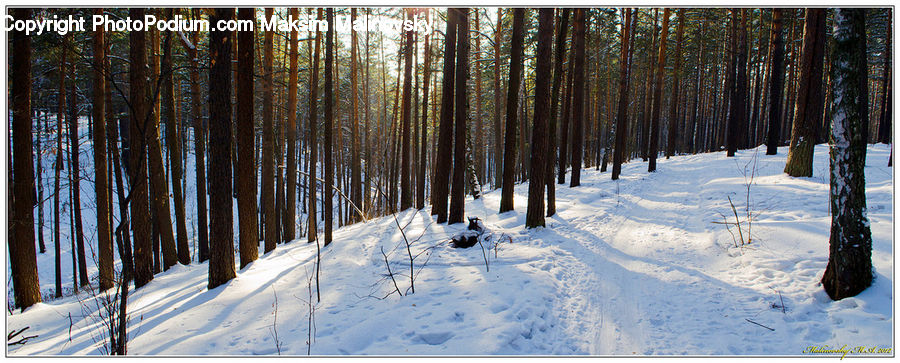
221,233
537,179
512,101
405,153
561,29
159,190
479,153
58,166
692,135
313,138
776,84
809,98
246,166
578,100
885,120
458,185
141,223
566,119
657,93
173,144
74,174
329,128
647,105
498,105
199,146
622,112
849,269
289,216
355,167
267,191
676,90
420,179
441,182
23,260
101,179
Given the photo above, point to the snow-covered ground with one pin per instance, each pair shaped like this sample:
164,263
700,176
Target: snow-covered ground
635,266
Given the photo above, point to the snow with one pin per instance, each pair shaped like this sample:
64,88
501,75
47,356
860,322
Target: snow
626,267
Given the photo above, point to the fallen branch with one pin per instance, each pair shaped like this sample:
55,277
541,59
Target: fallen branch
22,340
391,274
751,321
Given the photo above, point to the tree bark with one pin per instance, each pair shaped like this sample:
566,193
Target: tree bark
355,167
406,195
420,179
22,257
313,141
221,233
809,98
512,102
248,215
578,101
173,144
622,112
101,178
458,185
561,30
537,179
440,183
199,147
672,138
267,179
776,84
657,93
498,105
141,223
849,269
327,198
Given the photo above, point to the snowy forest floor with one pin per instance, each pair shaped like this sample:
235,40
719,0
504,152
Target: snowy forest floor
635,266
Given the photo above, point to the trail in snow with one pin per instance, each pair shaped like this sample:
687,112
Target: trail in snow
629,267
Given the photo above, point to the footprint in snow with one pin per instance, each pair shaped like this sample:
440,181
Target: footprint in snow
433,338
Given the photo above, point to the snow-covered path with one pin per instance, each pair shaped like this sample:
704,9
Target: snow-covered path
636,266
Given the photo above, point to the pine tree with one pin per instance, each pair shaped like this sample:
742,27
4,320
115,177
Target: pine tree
405,154
657,93
159,190
498,105
441,182
885,119
676,75
313,138
199,146
173,144
810,98
849,269
75,173
22,257
458,183
327,197
420,178
539,152
248,230
267,179
622,111
561,29
578,101
355,167
512,102
221,232
776,83
101,179
141,223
